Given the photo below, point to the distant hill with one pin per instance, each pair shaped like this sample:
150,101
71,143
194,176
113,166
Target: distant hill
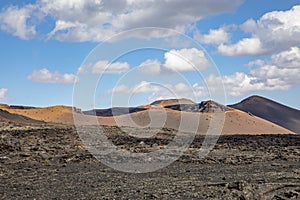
56,114
162,113
116,111
19,119
236,121
186,105
166,103
169,102
272,111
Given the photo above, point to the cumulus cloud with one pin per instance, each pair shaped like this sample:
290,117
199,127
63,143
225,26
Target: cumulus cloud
3,92
286,59
273,32
182,60
280,72
150,67
283,68
15,21
246,46
214,36
162,91
104,67
113,68
96,20
239,84
45,76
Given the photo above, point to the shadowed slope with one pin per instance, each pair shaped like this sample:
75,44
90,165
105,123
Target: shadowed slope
272,111
9,117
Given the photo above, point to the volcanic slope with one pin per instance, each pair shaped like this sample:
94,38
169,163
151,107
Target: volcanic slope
9,117
200,118
212,117
56,114
272,111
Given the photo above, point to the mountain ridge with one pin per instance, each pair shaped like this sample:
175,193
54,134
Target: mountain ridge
236,121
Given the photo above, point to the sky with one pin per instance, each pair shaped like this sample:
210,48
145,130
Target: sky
103,53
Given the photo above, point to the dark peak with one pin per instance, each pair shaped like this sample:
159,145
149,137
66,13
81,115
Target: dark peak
212,106
255,98
210,102
205,106
252,100
272,111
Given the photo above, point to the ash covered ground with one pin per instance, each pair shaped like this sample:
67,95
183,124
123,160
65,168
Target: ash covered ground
50,162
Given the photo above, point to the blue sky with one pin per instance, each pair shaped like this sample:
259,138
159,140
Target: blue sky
47,46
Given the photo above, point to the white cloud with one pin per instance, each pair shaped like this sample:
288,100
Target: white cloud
144,87
182,60
283,68
273,32
239,84
175,91
150,67
3,92
246,46
107,68
280,72
287,59
162,91
285,76
45,76
15,21
104,67
214,36
97,20
249,26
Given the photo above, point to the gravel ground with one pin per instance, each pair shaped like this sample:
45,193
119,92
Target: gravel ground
52,163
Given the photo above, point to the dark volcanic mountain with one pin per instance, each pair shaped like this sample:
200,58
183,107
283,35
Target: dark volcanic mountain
174,104
204,106
272,111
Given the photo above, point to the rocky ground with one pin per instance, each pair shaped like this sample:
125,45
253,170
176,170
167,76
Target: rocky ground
50,162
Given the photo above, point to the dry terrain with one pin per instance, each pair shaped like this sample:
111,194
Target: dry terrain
234,121
42,156
52,163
